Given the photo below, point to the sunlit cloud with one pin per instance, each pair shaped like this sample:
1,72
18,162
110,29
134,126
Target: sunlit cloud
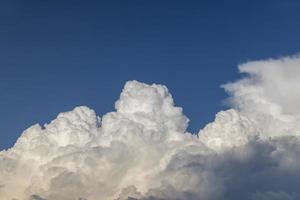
143,151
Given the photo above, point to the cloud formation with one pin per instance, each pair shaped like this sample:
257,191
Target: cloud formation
142,150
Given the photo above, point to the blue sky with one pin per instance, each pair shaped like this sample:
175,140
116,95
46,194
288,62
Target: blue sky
56,55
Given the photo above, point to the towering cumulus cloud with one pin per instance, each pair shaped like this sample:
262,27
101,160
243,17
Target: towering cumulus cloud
142,150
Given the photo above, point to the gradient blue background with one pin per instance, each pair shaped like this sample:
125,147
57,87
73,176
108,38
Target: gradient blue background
55,55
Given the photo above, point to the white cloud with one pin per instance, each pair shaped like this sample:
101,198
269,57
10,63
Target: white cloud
142,150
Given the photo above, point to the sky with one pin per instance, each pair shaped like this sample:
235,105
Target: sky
55,55
84,71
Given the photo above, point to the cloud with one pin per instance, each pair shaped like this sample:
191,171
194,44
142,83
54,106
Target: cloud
142,150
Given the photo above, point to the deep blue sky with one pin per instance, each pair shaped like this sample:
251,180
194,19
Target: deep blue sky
55,55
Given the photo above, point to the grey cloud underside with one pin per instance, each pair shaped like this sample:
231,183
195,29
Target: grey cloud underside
142,150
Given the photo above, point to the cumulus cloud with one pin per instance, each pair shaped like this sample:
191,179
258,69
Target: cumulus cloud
143,151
